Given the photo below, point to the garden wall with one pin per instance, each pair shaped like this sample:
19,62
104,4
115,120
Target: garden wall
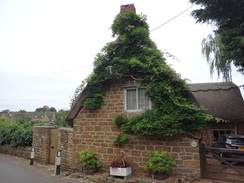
65,144
20,151
42,142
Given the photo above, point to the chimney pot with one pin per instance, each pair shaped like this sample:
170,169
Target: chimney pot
128,7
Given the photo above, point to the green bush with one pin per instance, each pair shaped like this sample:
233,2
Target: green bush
160,162
89,159
16,134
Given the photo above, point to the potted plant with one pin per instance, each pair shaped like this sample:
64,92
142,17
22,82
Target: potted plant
120,165
160,164
89,160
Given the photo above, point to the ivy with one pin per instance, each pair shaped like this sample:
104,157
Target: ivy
134,53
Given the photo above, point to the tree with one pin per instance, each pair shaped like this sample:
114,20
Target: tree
61,114
212,49
45,108
78,90
228,17
22,111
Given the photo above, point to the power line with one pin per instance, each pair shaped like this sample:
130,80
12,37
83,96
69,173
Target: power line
91,65
53,73
172,18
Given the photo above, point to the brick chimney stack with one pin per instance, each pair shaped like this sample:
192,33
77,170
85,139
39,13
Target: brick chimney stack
128,7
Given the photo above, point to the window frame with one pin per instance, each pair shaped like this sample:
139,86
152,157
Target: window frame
224,131
137,100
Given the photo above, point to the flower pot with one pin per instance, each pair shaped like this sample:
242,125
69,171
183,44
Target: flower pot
120,172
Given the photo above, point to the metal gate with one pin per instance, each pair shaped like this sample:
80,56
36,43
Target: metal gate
215,166
53,145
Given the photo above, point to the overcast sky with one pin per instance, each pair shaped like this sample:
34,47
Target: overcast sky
47,47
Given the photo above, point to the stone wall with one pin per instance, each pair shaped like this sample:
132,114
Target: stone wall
41,142
20,151
95,130
65,144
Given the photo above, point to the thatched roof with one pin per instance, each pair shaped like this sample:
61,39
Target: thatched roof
222,100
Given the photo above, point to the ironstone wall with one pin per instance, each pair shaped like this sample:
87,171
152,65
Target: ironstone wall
94,130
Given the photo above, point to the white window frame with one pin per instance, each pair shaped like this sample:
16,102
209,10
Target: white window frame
137,103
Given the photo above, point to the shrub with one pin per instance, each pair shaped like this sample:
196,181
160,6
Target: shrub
89,160
16,134
160,162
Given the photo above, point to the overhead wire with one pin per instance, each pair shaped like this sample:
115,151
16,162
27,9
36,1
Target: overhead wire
53,73
91,65
172,18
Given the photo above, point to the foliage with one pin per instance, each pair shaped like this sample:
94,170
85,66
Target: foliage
120,160
22,118
89,159
16,134
160,162
213,50
133,53
227,16
78,90
121,139
45,108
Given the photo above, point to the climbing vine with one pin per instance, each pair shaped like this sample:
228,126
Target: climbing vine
136,54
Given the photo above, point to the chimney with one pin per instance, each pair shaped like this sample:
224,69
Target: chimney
128,7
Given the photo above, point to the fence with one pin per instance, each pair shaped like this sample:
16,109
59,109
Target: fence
222,164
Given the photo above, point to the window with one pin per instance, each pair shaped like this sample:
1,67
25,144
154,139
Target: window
136,99
217,133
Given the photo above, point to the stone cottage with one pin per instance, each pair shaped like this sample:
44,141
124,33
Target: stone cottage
95,130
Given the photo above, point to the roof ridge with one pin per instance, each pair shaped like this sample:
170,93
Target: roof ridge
218,89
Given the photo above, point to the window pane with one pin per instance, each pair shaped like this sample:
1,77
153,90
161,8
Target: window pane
131,99
143,99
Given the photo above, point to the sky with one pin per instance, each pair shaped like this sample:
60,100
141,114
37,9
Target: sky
48,47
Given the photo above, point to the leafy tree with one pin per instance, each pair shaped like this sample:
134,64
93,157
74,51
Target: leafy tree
78,90
61,115
213,50
45,108
228,17
134,54
41,109
5,111
52,109
22,111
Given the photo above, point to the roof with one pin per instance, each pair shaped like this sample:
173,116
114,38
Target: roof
222,100
217,98
75,108
34,115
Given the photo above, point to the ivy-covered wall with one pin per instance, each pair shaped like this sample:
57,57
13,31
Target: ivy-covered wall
94,130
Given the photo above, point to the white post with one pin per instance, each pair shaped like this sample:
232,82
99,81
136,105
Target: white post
57,163
32,155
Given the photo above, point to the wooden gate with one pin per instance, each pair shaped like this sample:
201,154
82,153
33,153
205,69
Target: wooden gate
215,166
53,145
